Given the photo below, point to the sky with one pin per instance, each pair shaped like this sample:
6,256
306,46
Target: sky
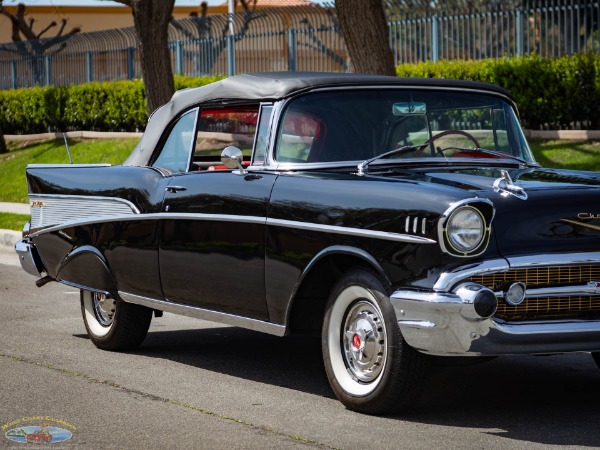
97,2
108,2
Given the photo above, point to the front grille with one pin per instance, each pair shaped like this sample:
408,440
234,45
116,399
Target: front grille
551,308
584,307
541,276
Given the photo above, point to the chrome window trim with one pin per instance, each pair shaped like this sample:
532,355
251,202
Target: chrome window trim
205,314
279,107
268,137
308,226
192,148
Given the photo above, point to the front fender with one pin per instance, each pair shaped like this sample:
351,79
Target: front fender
310,293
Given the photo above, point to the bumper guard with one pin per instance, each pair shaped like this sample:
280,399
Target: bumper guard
447,324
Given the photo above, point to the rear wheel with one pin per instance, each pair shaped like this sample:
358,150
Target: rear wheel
370,367
113,324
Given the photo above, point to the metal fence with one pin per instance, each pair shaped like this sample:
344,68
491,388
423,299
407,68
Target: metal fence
308,39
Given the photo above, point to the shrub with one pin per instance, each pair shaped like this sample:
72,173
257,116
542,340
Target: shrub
96,106
550,92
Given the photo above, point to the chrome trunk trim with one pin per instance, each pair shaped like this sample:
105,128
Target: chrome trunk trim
56,209
205,314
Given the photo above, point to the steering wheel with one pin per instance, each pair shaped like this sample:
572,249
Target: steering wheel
432,139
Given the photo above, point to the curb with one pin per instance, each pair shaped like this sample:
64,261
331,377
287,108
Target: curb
8,239
568,135
72,134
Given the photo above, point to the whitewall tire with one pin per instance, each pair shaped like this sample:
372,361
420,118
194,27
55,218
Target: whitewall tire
369,366
113,324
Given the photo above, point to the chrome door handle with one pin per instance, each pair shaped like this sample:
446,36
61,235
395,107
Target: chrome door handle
174,189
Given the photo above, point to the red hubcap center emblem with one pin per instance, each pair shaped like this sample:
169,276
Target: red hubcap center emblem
356,341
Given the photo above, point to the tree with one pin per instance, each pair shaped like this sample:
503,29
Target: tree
23,26
208,29
365,30
151,20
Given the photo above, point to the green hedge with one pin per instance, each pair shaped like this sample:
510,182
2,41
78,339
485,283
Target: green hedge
107,106
551,93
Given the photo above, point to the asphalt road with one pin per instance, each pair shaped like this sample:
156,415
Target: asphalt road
195,384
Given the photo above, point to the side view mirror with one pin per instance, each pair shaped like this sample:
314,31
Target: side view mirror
232,158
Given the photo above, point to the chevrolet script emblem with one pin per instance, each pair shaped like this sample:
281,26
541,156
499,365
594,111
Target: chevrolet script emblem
38,203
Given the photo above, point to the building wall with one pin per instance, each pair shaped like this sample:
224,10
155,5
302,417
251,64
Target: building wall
88,18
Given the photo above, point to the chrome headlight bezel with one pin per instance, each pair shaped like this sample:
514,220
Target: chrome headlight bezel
479,210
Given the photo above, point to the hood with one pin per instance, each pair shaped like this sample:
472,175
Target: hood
560,211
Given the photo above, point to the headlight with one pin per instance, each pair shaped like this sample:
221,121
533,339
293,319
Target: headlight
465,229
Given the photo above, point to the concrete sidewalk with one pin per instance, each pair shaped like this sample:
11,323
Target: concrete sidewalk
15,208
8,238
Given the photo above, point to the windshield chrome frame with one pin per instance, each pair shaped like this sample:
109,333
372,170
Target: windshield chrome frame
279,108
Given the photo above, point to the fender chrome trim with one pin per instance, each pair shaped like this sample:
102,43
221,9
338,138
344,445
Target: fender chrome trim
308,226
205,314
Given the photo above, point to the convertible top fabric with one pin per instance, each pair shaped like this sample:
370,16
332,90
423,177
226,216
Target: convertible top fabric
271,86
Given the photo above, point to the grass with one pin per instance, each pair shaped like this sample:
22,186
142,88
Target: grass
13,187
577,155
10,221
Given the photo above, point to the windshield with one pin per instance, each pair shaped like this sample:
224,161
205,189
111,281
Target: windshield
362,124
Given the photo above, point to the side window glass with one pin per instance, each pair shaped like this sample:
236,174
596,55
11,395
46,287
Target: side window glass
175,154
220,128
300,137
260,146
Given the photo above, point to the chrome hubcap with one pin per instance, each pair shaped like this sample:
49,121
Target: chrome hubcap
104,308
363,339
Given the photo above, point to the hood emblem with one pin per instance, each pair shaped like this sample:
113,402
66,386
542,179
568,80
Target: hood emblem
505,186
588,216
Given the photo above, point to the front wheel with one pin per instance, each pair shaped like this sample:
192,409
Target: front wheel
370,367
113,324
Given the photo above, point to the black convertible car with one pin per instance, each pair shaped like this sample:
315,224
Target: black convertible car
395,217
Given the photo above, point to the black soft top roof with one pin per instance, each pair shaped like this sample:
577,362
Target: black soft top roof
271,86
277,85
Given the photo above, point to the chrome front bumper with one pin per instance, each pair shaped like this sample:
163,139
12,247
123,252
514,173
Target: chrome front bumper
26,250
446,324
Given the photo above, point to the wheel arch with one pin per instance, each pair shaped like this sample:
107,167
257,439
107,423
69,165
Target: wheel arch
307,303
86,268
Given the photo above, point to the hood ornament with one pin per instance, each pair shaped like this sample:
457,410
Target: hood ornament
505,186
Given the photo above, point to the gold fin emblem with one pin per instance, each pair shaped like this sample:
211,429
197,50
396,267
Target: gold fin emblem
581,224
